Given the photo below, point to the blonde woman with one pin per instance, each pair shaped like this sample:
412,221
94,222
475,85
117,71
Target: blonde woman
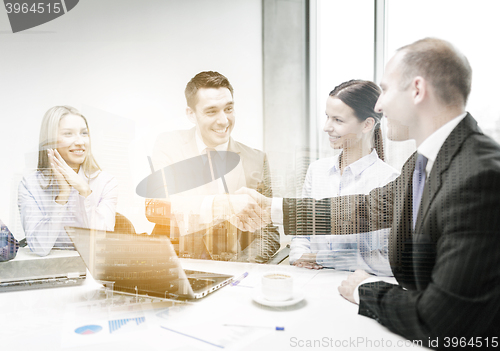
68,188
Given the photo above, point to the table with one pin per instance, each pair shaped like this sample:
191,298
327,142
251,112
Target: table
46,319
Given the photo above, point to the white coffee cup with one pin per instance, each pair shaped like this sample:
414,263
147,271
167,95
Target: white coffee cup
277,286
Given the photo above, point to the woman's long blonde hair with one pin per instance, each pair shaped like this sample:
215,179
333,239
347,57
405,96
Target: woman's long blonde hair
49,132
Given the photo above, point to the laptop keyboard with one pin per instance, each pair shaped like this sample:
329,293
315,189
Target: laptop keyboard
200,284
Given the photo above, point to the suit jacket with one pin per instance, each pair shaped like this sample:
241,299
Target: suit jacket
252,172
448,268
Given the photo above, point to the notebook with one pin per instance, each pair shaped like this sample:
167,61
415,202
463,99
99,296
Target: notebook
141,264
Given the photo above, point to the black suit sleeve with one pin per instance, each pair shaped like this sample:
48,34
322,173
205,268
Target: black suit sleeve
341,215
462,297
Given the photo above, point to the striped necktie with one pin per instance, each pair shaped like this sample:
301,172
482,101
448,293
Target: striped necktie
418,184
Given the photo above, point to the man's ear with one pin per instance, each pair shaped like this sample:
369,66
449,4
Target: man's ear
190,115
419,89
369,124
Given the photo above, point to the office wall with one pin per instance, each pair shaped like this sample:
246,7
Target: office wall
473,28
286,88
345,51
124,64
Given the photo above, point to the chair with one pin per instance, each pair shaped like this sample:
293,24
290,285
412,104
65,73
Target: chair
123,225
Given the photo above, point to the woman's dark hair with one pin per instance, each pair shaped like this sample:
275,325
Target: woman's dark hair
361,96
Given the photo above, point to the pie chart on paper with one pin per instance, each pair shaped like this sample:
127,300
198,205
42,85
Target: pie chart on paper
88,329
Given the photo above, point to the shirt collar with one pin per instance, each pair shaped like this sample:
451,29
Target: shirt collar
201,145
356,167
432,144
334,166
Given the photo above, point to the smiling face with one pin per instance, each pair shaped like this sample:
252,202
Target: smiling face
344,129
213,115
73,140
396,103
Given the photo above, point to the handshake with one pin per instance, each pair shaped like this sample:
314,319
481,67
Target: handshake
247,209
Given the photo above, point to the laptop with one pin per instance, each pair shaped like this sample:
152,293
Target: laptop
141,264
29,271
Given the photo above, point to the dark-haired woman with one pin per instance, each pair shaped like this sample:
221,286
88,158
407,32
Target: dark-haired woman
354,127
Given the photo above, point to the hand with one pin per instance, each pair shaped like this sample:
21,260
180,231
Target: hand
264,202
245,213
346,288
307,260
71,177
62,184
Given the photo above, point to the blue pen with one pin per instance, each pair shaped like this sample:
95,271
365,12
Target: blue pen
253,326
239,279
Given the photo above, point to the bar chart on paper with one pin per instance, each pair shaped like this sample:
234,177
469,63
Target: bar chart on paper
117,324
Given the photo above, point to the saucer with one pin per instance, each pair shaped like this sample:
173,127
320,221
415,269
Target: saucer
296,298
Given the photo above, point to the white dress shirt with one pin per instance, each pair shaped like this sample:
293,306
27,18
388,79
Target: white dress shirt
366,251
202,147
430,147
44,219
206,205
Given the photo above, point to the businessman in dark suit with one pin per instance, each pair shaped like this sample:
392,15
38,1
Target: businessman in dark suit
444,245
445,240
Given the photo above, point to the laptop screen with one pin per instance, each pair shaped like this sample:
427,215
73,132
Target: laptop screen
138,264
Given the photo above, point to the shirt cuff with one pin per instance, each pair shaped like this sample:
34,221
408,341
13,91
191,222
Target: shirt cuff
355,295
277,210
89,201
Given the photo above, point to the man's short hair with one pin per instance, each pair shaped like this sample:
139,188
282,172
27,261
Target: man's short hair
439,62
207,79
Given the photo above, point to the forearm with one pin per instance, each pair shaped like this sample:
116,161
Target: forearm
95,214
340,215
264,246
299,245
340,259
460,299
43,219
43,230
373,253
430,315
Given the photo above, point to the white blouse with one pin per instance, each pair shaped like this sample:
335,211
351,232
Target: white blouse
366,251
44,219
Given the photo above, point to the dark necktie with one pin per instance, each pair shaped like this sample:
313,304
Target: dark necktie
212,163
418,184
